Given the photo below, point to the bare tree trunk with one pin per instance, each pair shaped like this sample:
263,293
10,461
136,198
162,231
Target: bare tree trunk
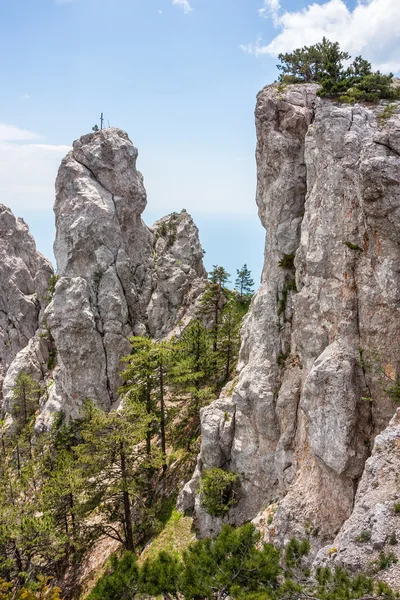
127,504
162,418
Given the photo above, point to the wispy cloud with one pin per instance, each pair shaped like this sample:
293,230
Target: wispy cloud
27,170
371,28
183,4
270,8
10,133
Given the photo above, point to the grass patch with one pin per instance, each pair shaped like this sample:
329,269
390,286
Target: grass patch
386,114
174,538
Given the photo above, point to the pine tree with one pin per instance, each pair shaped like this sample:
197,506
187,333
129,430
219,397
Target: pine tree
146,379
191,379
25,399
229,337
324,64
141,380
244,284
112,459
213,298
193,363
121,583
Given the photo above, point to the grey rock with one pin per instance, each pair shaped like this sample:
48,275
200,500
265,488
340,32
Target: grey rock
328,192
118,277
24,282
374,510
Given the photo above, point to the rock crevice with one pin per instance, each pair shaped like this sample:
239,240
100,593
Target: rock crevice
328,196
116,276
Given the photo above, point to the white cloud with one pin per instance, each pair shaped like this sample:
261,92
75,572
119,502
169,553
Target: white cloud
271,8
10,133
27,170
372,29
183,4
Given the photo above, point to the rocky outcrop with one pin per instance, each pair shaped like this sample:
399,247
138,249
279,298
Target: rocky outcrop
307,404
117,277
374,525
24,282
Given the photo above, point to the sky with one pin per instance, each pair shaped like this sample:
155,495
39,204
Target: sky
181,77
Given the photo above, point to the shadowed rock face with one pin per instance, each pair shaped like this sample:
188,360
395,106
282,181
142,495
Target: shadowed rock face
117,277
24,278
329,197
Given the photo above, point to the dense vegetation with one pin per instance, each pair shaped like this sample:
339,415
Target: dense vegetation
112,474
324,64
236,565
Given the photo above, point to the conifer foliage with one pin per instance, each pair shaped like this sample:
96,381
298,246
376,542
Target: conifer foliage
244,284
235,565
324,63
110,474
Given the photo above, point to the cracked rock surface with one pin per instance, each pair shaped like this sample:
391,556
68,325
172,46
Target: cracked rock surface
374,525
24,280
116,276
329,198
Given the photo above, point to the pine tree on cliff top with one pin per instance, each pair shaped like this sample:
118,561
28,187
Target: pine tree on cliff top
324,63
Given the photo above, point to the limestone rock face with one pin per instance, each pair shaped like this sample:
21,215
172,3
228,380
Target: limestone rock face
329,198
24,281
117,277
373,526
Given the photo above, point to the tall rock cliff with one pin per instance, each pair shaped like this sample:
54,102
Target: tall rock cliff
24,282
116,276
307,403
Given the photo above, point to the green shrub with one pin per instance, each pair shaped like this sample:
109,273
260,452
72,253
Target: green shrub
393,390
393,539
385,561
295,551
51,288
51,362
323,63
120,581
282,358
163,229
396,508
346,99
365,536
289,285
352,246
287,262
217,491
386,114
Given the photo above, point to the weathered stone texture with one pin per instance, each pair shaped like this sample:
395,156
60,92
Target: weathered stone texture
118,277
24,280
328,193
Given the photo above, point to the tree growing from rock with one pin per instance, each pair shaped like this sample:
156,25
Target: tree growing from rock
324,63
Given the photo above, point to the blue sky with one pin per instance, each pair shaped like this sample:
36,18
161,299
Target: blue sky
181,77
